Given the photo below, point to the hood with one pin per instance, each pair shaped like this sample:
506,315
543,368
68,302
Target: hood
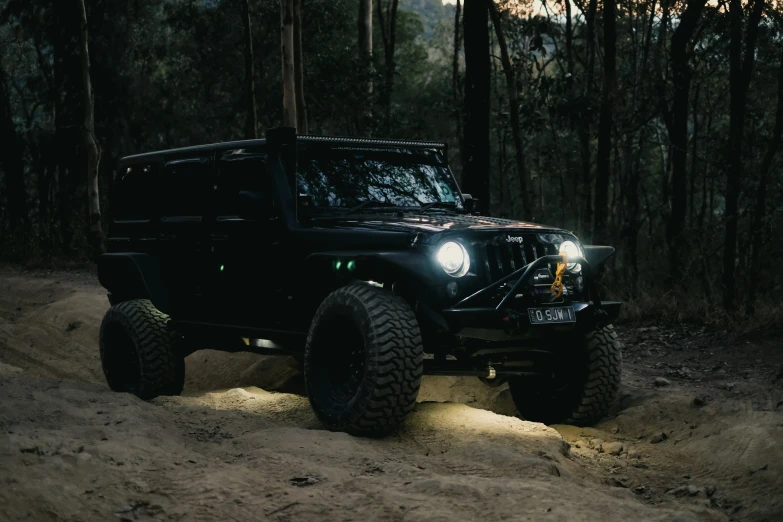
431,222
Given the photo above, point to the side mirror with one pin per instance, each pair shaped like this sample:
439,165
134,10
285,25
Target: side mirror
471,204
251,205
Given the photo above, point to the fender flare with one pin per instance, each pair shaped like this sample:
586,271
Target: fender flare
597,255
404,261
133,275
410,267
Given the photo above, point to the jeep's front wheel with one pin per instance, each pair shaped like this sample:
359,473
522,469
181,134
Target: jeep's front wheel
581,388
363,361
138,351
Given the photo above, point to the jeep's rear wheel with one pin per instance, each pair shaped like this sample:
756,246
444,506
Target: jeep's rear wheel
582,389
138,352
363,361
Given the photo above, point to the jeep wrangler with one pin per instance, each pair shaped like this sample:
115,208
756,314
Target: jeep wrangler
362,259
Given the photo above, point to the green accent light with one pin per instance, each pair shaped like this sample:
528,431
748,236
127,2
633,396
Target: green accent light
337,264
351,265
222,267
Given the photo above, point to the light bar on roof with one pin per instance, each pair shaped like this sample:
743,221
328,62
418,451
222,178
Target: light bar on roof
370,141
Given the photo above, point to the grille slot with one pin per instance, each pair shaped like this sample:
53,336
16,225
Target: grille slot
498,257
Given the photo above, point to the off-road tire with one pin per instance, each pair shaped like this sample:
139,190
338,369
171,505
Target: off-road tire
391,361
592,366
139,353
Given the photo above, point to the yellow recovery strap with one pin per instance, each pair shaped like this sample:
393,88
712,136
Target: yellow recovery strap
557,286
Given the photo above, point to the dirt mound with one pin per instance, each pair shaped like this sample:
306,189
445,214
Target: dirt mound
227,449
72,450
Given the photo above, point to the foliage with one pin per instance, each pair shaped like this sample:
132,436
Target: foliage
170,73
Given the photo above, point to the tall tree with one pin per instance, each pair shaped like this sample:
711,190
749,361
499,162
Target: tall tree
456,84
513,103
95,237
287,52
12,160
365,54
740,74
585,120
389,34
600,233
677,124
757,227
251,122
301,106
478,72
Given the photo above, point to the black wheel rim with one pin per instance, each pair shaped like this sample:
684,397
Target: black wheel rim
122,360
550,396
339,359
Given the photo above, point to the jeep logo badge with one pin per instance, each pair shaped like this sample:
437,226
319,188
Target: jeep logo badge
512,239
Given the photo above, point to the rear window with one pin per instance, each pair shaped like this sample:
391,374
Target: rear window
239,172
186,187
135,194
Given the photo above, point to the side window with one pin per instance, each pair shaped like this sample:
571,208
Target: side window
240,172
186,187
135,196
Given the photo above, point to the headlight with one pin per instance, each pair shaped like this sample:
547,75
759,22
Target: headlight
454,259
572,250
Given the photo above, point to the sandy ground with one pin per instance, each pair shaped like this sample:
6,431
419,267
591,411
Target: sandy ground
697,435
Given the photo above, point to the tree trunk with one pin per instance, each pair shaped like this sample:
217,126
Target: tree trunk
740,75
516,132
477,90
455,82
365,55
630,229
600,233
251,122
584,123
678,135
389,35
694,159
301,106
287,51
12,163
569,34
758,228
95,237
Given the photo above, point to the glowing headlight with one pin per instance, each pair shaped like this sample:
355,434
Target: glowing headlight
454,259
572,250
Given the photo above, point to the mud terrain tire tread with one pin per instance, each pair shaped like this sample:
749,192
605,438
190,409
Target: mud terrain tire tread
603,377
586,404
394,361
161,366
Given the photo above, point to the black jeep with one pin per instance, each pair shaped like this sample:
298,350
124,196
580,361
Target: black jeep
359,257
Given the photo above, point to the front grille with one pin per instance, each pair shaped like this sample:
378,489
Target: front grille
498,257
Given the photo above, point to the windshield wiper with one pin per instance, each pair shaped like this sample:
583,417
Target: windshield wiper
370,203
440,204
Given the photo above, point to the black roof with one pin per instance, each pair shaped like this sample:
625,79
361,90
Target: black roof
301,139
195,148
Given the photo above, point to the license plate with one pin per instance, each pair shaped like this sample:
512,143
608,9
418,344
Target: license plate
549,315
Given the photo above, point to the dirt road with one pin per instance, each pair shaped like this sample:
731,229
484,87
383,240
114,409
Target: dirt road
698,435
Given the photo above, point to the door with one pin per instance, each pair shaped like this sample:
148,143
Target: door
184,199
134,209
244,238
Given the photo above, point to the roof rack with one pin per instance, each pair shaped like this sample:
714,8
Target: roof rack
369,141
302,138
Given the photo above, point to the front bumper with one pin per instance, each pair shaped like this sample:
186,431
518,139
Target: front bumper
499,311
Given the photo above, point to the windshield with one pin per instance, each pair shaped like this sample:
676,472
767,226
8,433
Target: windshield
349,176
